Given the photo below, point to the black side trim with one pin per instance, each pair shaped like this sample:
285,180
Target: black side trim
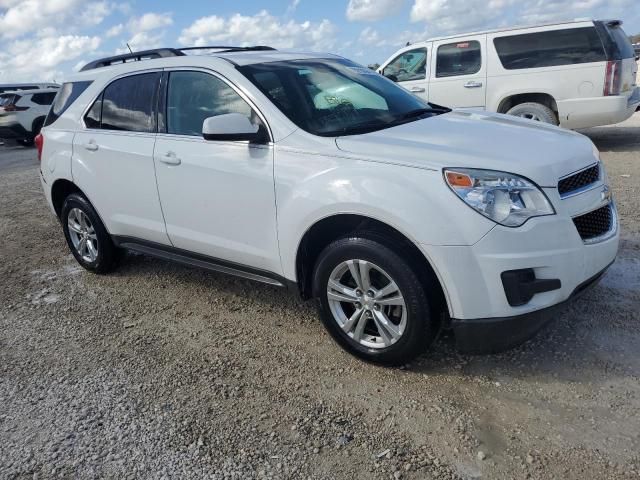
521,285
494,335
201,261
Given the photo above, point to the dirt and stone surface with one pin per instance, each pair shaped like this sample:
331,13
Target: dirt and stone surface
161,371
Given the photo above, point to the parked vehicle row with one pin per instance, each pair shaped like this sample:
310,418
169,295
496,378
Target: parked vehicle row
23,112
312,172
576,75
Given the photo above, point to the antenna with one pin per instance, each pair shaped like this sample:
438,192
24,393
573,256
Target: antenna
130,51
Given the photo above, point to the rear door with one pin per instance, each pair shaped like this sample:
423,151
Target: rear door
113,158
459,72
410,69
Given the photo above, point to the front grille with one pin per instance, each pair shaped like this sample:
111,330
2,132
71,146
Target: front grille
594,224
579,180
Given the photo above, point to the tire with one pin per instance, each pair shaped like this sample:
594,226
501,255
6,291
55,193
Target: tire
80,222
413,328
37,126
534,111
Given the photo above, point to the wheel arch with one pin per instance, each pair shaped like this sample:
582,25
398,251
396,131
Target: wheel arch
333,227
514,99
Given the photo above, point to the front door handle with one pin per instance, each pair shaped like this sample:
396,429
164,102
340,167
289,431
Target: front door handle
417,89
473,85
170,158
92,146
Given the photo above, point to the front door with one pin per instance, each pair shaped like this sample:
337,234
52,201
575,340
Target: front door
459,73
217,196
409,69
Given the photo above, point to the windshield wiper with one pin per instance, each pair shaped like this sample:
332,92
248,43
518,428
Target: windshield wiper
418,112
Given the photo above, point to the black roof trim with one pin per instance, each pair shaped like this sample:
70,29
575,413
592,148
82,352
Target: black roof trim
164,53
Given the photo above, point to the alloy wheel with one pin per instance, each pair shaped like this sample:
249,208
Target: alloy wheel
83,235
367,303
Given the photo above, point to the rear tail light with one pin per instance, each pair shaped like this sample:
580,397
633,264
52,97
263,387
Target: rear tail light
13,108
39,141
613,78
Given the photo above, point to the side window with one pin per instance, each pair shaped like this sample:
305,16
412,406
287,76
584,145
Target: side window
127,103
551,48
411,65
460,58
194,96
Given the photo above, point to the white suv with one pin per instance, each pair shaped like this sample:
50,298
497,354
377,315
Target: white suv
312,172
577,74
22,113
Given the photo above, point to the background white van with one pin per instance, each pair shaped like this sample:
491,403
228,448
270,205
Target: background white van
576,74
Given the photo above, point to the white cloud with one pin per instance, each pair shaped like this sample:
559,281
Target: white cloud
115,31
260,29
39,58
143,41
372,10
30,15
150,21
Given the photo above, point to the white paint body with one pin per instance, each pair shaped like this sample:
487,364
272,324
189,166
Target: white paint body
577,89
252,204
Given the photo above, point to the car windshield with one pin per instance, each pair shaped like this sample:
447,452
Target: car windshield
335,97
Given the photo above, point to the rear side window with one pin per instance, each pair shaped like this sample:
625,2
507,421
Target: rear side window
64,98
460,58
43,98
127,104
550,48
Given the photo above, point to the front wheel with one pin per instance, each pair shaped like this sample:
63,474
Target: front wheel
372,302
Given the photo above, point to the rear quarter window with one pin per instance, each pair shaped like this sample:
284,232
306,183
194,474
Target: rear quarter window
550,48
68,93
43,98
616,42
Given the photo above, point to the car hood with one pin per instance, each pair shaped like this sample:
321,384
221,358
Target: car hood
540,152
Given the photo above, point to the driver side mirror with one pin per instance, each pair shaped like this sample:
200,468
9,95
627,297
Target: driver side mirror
233,127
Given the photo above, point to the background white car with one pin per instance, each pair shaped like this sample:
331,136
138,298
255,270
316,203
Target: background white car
577,74
22,113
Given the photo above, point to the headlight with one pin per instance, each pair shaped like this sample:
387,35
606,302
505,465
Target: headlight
503,197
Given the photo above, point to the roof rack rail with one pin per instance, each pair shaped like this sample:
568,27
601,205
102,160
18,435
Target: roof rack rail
164,53
256,48
134,56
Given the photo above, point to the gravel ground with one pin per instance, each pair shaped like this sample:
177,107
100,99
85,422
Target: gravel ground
160,371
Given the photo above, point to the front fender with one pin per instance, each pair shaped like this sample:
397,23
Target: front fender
414,201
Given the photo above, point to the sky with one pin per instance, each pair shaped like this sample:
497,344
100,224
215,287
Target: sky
45,40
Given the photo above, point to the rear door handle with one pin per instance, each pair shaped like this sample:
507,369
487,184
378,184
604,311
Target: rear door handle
92,146
417,89
170,158
473,85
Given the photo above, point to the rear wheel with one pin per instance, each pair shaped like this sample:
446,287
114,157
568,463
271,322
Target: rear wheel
86,235
534,111
372,302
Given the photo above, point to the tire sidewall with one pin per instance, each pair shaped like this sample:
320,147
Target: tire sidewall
537,109
420,329
104,240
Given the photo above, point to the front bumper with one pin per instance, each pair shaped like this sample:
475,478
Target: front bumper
12,130
493,335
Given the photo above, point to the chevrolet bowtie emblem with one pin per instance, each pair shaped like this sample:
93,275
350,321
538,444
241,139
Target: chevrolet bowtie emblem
605,195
